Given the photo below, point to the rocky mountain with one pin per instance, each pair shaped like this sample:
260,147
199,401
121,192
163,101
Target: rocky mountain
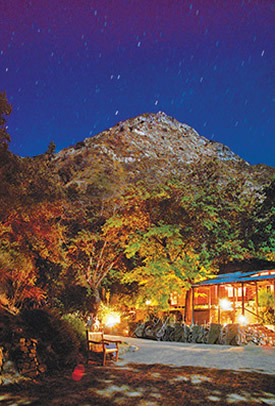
152,147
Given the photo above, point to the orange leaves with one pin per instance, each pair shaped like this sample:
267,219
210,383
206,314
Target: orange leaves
26,236
37,230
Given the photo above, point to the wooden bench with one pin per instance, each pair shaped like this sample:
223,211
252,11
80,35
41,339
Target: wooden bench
98,345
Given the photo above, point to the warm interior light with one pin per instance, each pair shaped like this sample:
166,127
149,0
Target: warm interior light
112,320
242,320
225,304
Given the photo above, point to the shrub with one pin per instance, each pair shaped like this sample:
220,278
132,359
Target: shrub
266,303
58,344
78,325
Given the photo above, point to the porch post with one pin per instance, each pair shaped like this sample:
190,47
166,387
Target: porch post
234,304
219,308
257,302
209,303
242,298
193,304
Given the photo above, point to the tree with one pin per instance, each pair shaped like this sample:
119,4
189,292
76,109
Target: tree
5,110
159,259
176,234
92,255
28,236
262,232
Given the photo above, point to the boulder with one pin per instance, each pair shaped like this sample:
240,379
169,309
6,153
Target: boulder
232,332
186,333
195,333
139,331
214,333
179,333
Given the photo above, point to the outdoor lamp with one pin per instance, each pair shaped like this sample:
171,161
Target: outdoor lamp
242,319
225,304
112,320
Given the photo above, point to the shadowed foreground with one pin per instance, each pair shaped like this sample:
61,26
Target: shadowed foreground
145,385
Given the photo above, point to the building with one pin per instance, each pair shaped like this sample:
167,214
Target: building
229,298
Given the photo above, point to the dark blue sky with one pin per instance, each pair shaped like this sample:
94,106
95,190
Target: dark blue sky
72,68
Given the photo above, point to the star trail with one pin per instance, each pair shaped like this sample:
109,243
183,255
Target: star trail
74,68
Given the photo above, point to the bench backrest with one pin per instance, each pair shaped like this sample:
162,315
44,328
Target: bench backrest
93,338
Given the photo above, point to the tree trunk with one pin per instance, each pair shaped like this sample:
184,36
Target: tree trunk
96,300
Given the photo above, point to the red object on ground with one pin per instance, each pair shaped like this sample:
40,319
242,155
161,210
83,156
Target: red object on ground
78,372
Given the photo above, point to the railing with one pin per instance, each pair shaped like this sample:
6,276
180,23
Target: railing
254,314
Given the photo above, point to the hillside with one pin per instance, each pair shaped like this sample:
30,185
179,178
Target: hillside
152,147
199,208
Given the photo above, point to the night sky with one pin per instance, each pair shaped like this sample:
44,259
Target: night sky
72,68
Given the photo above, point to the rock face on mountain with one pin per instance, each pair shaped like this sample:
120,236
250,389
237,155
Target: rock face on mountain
152,147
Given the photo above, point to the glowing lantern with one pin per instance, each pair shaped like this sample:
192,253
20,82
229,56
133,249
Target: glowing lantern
242,320
225,304
112,319
148,302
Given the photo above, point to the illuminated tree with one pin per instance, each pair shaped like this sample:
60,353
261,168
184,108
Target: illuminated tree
175,235
91,257
26,237
263,225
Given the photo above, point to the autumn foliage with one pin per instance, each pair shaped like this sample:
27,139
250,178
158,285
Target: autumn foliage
60,245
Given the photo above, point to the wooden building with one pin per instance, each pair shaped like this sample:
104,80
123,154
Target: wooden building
229,298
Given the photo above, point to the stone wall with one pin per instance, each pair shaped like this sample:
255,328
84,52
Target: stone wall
27,359
214,333
19,360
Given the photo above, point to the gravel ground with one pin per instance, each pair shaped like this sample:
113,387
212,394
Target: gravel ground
151,373
244,358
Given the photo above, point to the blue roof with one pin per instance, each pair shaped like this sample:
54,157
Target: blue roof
237,277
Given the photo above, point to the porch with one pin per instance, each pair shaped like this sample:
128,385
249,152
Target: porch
230,298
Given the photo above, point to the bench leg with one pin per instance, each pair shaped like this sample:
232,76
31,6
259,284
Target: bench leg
104,358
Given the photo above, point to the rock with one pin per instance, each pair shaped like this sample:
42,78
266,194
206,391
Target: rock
9,367
214,333
186,333
206,334
170,333
179,333
139,331
231,334
133,348
200,338
195,334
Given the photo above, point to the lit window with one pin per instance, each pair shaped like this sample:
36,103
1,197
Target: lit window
230,291
173,299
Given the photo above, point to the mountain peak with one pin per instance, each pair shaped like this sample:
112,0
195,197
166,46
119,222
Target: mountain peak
155,136
151,146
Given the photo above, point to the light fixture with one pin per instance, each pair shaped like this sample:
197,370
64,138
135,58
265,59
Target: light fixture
242,320
112,320
225,304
